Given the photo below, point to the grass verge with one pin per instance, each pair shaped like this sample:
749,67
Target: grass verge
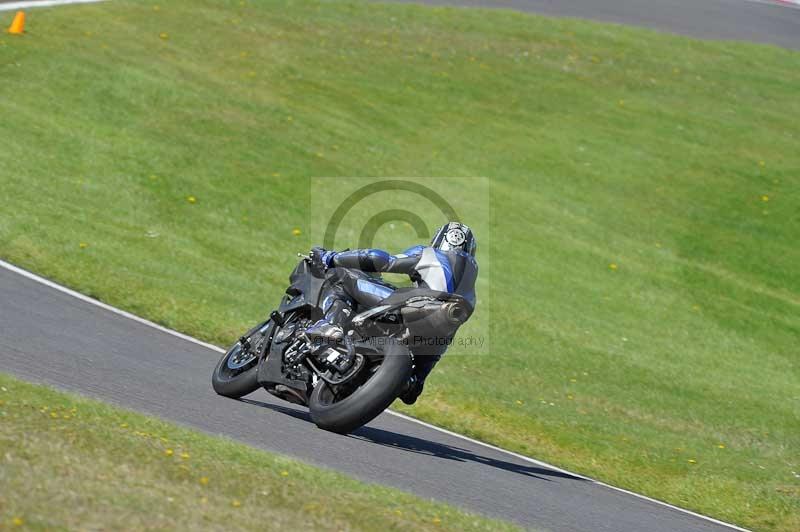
644,311
104,468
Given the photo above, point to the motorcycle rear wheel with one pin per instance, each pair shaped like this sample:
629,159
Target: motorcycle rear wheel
366,402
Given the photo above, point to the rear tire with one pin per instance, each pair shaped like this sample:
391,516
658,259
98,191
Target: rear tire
368,401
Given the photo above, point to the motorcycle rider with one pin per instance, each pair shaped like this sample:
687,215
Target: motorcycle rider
446,265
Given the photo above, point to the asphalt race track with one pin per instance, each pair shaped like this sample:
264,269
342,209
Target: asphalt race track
761,21
48,336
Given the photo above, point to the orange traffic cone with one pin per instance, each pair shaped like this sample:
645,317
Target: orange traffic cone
18,26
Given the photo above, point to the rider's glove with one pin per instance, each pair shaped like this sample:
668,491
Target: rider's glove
322,257
328,257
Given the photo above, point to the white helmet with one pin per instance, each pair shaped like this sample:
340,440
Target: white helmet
454,236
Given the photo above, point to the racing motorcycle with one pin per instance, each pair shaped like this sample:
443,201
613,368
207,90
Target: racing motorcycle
346,383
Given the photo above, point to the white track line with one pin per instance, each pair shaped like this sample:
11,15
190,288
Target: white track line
87,299
794,4
43,3
115,310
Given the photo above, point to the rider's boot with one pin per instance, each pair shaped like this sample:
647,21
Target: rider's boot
325,331
412,390
329,329
422,367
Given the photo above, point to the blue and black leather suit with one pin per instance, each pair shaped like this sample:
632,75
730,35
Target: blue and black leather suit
451,271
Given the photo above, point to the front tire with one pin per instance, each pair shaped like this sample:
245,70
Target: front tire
368,401
238,382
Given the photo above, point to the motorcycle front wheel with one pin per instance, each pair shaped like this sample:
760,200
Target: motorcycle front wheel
365,403
236,373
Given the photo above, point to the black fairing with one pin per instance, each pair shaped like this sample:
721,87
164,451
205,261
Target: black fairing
404,294
271,370
305,294
305,289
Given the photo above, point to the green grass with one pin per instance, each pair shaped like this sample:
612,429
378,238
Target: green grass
675,374
98,467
